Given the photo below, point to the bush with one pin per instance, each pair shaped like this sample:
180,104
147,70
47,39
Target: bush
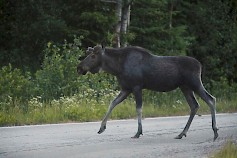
58,76
14,86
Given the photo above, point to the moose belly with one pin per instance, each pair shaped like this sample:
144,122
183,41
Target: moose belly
161,83
160,86
156,84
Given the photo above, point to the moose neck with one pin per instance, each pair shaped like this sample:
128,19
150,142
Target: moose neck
111,61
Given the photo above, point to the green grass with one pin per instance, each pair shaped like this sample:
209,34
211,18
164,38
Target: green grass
229,150
82,109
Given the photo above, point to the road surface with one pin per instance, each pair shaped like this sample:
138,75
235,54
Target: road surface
75,140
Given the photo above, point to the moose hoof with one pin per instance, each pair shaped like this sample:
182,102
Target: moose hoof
137,135
102,129
215,134
180,136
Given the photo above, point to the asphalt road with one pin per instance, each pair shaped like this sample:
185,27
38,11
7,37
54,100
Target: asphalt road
75,140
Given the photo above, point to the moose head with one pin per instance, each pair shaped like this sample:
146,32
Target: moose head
92,62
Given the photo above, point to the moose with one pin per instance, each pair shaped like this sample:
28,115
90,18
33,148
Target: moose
137,68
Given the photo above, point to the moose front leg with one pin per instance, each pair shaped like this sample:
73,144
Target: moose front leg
138,97
122,95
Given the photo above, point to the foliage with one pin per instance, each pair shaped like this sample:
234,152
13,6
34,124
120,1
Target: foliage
26,27
58,75
212,25
13,85
155,30
229,150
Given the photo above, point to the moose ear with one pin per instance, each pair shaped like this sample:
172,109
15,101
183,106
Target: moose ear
103,45
97,49
90,49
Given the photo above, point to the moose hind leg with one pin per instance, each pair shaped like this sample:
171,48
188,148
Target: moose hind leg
193,104
211,102
139,117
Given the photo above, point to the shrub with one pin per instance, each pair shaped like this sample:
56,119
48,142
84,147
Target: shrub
58,76
13,86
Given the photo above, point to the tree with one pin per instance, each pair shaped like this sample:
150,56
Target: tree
122,13
118,13
155,28
213,24
27,26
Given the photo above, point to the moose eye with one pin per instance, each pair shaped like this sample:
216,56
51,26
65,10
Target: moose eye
93,56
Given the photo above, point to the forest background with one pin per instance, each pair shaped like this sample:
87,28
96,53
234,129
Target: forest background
41,41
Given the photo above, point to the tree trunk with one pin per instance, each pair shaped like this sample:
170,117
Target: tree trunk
117,41
171,14
125,22
122,13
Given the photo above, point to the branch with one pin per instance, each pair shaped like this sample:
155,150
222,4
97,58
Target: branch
109,1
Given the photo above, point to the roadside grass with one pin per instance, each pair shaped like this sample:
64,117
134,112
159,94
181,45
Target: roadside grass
80,108
229,150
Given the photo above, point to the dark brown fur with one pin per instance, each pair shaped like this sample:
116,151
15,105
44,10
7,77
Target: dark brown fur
136,68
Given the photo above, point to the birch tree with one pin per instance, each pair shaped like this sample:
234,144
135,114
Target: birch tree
117,39
122,12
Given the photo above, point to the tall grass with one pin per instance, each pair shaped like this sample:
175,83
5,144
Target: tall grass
87,106
229,150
